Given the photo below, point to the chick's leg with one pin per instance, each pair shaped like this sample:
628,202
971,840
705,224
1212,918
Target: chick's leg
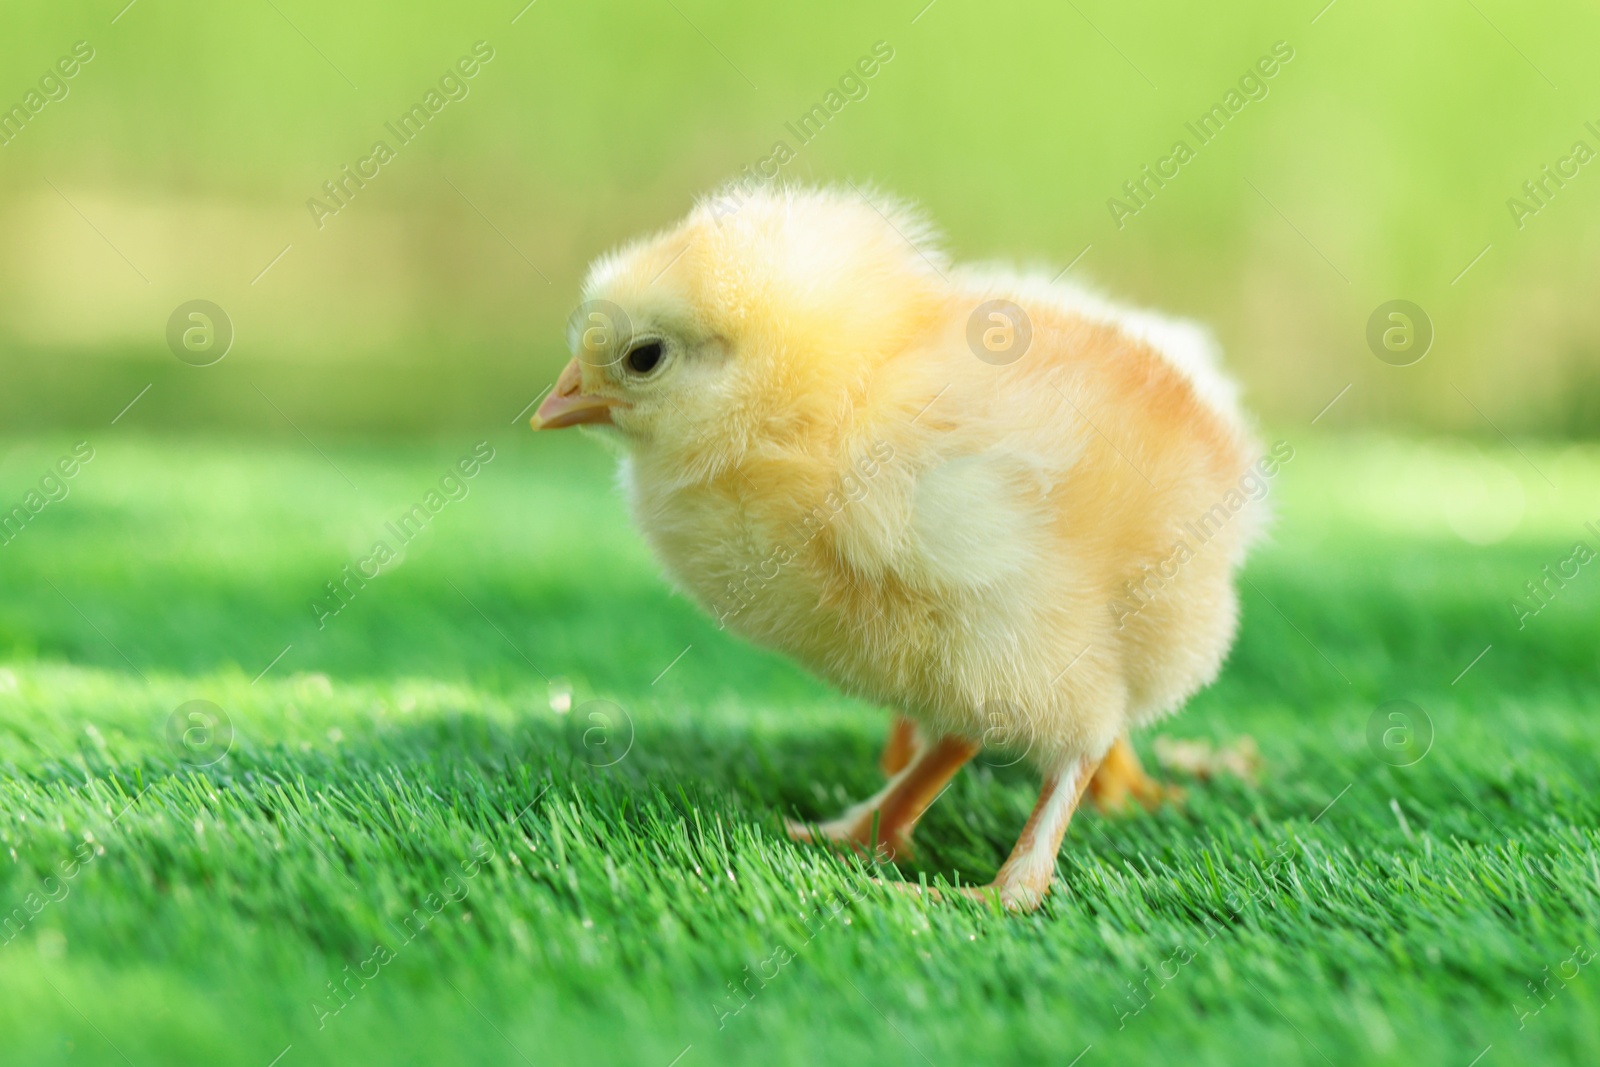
1121,779
900,747
1025,877
898,805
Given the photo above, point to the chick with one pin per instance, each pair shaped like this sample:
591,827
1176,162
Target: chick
1001,506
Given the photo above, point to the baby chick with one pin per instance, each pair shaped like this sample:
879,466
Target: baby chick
1002,506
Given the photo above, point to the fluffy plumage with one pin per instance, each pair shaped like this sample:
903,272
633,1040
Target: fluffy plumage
818,457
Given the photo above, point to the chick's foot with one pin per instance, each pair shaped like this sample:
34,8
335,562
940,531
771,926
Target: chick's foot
1024,879
882,825
1017,898
1120,781
854,832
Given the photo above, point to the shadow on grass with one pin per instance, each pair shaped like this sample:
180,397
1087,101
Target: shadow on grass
752,778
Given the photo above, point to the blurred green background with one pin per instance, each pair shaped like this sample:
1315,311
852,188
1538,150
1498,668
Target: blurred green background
1378,166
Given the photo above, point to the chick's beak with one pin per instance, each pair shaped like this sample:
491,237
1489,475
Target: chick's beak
568,405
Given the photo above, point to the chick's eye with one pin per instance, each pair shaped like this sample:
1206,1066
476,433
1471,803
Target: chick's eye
644,358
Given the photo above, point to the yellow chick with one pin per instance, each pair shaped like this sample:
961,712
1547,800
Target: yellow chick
1001,506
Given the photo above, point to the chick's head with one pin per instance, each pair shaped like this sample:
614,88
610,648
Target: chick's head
743,327
644,353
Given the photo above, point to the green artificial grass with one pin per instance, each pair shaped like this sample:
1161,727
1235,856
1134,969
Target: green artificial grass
519,803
